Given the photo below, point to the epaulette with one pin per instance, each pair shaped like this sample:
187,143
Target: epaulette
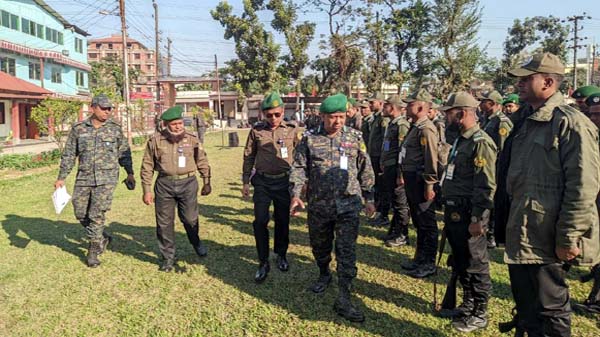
479,136
291,124
355,132
504,118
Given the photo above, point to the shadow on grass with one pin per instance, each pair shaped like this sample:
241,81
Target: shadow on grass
289,291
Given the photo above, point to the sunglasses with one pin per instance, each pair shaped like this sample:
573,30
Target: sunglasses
276,115
106,109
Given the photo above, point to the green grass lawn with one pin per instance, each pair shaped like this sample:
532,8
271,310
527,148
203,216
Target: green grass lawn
46,289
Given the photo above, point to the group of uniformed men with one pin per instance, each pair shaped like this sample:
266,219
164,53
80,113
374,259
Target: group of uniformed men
528,164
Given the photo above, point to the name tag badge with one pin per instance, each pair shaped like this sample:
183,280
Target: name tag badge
386,145
284,152
344,162
181,162
401,155
450,171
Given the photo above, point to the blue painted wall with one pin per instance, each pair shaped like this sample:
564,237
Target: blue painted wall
29,10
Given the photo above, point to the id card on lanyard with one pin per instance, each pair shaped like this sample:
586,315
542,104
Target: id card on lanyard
181,160
449,172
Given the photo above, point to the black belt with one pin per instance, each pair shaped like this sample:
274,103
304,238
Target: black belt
177,177
274,176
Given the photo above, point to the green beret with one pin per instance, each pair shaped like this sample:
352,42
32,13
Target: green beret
437,101
273,100
593,99
333,104
172,113
352,101
512,98
585,91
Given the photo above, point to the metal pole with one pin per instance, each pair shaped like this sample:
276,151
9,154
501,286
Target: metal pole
169,56
125,70
575,54
157,50
219,101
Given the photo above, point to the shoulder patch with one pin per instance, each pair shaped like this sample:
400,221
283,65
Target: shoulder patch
479,161
423,140
503,131
290,124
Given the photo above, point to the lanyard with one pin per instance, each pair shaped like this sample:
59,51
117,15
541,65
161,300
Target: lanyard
454,150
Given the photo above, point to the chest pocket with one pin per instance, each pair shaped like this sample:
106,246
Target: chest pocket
545,150
109,144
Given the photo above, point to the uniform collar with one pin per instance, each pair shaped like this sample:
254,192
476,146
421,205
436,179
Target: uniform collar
397,118
470,132
421,120
544,113
88,122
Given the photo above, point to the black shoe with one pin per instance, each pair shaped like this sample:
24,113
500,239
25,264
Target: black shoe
423,271
92,255
470,323
410,265
380,222
587,307
344,308
397,242
282,263
167,265
262,272
321,283
201,249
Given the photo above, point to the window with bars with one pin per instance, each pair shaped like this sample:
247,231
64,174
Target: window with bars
56,75
7,65
35,71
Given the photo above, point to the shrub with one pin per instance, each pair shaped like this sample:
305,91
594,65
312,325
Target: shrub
29,161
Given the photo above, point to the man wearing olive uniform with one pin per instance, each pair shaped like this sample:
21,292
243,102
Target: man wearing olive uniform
419,162
551,165
468,188
353,117
176,155
270,150
394,135
581,94
374,147
367,120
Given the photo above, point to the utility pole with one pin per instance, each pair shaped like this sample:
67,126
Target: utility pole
594,46
169,56
157,51
576,28
125,70
219,101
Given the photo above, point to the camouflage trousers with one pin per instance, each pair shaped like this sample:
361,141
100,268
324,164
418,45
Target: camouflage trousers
90,204
326,226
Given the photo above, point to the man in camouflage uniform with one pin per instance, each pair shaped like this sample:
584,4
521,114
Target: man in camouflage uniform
551,165
367,120
177,155
497,126
393,193
581,94
333,162
270,151
99,144
419,162
374,146
592,302
313,120
468,187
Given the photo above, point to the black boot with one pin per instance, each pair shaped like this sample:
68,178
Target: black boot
262,272
476,320
464,309
343,305
106,240
92,255
323,281
398,241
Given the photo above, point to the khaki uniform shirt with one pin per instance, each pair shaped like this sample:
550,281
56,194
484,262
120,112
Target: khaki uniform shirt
419,151
552,181
266,148
165,158
471,171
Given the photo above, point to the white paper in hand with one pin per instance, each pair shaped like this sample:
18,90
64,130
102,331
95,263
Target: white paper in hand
60,198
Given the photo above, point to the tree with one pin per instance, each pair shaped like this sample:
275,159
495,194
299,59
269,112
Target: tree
55,116
455,27
255,48
297,37
343,41
106,78
194,87
375,35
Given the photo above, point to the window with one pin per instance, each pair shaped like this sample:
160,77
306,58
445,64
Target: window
137,66
92,55
110,46
149,67
150,56
32,28
78,45
98,45
39,31
60,38
54,36
138,89
137,56
5,19
80,78
14,22
56,75
7,65
48,33
25,25
2,113
34,71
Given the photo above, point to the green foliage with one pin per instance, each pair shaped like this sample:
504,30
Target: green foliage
107,77
56,116
29,161
255,47
194,86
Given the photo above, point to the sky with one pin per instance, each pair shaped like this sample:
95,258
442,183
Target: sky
197,37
